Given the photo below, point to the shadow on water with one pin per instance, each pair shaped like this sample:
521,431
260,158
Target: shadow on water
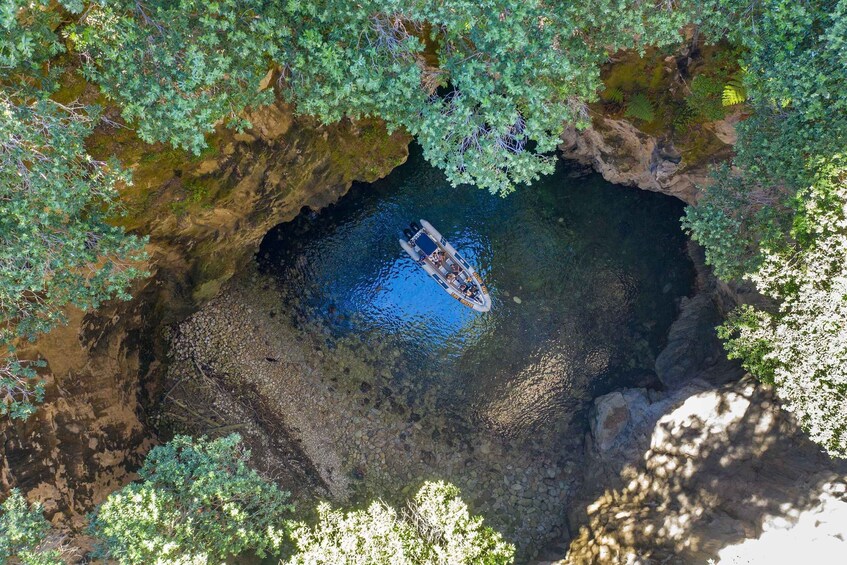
585,279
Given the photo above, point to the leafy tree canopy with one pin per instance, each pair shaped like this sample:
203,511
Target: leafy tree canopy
485,87
779,219
28,39
802,347
178,68
25,534
197,502
57,247
796,86
436,528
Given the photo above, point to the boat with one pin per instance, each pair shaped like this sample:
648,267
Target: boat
445,265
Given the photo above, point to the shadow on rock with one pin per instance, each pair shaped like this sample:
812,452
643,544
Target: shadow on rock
724,466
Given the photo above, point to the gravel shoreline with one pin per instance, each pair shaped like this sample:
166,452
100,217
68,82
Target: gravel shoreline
364,435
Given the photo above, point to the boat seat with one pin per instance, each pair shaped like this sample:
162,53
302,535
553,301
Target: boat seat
426,244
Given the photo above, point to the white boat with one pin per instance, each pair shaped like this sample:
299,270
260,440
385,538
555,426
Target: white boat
443,263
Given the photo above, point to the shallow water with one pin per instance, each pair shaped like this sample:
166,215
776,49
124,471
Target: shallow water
585,280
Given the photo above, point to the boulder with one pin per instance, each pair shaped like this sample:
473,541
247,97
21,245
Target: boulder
611,416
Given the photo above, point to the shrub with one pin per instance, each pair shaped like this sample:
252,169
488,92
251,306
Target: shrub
25,534
435,529
640,107
197,502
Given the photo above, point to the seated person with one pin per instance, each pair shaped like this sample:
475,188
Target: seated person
455,268
451,278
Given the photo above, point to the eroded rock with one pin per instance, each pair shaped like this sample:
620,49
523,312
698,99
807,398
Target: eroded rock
625,155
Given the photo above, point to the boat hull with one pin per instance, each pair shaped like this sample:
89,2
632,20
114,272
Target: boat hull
421,249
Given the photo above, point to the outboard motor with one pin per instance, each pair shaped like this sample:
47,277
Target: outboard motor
415,226
409,234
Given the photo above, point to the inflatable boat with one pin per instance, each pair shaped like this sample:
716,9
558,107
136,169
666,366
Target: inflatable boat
443,263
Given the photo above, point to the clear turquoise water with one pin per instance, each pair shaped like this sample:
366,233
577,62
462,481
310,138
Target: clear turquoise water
585,280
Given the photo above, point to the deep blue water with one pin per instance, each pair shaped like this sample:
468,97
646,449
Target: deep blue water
597,271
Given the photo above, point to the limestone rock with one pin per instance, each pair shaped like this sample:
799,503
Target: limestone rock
726,473
625,155
611,416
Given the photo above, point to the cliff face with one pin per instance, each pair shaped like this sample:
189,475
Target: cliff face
205,217
625,155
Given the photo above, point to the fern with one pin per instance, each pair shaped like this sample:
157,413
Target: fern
613,95
639,107
734,93
683,117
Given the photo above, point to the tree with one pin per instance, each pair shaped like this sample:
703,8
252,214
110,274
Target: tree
197,502
802,347
779,219
28,39
435,529
25,534
485,88
57,245
796,87
179,68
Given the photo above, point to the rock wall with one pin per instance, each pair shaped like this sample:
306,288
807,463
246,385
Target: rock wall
625,155
205,217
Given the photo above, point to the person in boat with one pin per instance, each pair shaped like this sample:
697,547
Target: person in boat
451,278
455,268
470,291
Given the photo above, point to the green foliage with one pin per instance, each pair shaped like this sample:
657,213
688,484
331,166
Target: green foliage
437,528
705,98
25,534
780,220
683,117
485,88
613,95
796,85
441,516
27,39
177,68
197,502
57,247
734,219
640,107
733,93
796,82
745,340
802,348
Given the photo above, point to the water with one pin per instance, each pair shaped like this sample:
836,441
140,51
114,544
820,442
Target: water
585,279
